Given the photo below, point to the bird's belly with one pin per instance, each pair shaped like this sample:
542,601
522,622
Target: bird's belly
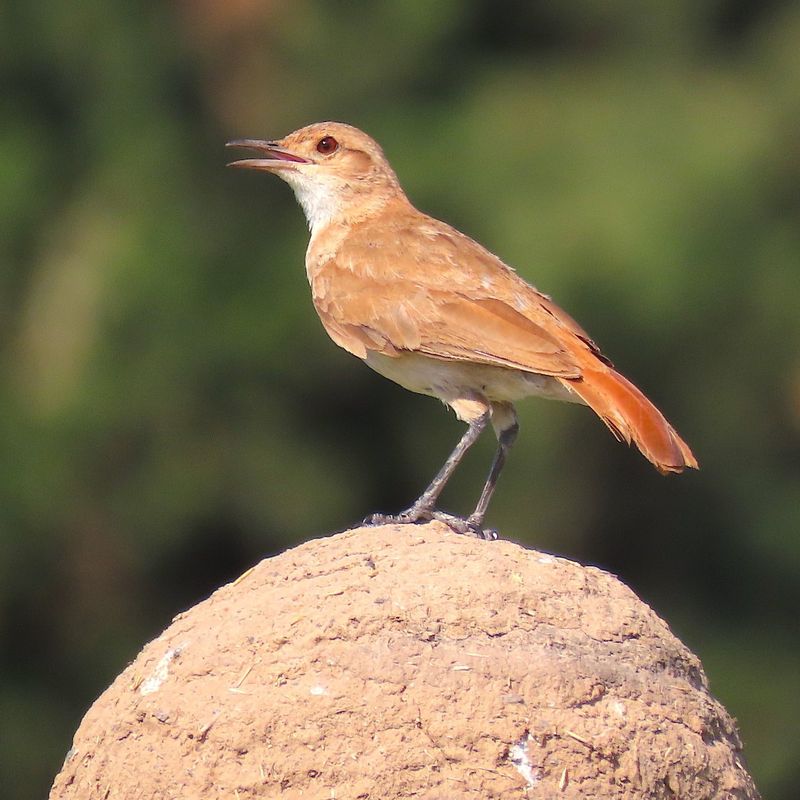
449,380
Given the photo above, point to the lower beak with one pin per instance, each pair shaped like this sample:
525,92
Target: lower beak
273,155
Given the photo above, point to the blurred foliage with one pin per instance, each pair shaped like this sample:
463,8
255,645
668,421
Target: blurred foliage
172,410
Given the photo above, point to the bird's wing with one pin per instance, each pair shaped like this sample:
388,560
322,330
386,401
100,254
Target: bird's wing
465,305
491,331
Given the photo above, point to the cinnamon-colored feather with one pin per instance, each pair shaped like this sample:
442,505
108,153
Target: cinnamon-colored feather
633,418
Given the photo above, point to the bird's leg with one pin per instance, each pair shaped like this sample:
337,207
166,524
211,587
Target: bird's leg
504,441
427,500
423,508
504,421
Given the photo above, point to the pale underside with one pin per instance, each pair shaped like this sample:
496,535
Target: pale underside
450,379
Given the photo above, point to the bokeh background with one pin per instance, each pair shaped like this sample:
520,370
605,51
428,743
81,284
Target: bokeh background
172,410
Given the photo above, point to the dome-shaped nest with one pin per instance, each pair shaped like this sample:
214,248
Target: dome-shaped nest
408,661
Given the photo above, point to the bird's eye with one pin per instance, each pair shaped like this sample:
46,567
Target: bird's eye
327,145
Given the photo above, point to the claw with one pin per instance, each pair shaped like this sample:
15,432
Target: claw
385,519
466,527
410,516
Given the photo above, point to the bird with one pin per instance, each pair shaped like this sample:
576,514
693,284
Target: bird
431,309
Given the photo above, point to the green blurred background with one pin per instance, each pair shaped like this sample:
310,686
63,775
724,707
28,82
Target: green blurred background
172,410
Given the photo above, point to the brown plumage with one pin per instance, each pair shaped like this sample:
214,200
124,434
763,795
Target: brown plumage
428,307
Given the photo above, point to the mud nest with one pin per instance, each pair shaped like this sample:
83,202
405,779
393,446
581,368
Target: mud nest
411,662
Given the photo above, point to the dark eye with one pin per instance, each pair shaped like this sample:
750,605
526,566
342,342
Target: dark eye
327,145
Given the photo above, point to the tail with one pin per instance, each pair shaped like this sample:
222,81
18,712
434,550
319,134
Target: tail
633,418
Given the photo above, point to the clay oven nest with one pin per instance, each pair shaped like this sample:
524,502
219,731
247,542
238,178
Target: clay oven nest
411,662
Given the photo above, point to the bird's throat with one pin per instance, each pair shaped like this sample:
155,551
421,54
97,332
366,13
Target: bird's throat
327,200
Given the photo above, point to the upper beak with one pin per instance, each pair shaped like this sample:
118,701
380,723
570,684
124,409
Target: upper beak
273,155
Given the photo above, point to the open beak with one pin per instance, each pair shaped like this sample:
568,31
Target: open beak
273,156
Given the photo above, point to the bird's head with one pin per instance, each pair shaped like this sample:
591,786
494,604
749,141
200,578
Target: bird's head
336,170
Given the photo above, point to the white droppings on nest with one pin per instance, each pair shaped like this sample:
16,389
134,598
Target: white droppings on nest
518,756
618,707
160,672
318,690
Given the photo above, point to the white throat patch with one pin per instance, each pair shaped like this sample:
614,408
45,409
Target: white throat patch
318,198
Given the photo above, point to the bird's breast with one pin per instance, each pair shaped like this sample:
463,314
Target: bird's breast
323,248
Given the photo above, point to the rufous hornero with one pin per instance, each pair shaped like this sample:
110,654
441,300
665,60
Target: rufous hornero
431,309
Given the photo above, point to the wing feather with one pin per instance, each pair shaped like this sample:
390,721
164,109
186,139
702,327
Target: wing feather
397,284
363,314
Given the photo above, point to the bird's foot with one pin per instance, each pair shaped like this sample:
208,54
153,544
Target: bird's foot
411,516
468,527
414,515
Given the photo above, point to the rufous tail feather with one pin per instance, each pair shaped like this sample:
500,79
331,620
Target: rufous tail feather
633,418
